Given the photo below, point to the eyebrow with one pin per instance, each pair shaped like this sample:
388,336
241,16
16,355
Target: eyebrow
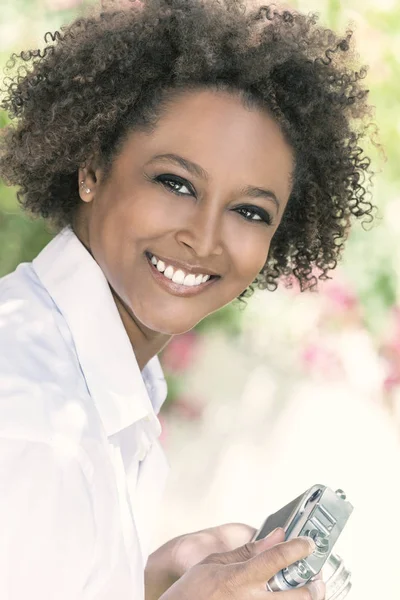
198,171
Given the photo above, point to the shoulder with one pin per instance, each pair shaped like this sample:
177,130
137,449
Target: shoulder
25,305
40,379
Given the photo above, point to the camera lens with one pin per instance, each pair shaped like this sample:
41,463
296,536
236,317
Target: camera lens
337,578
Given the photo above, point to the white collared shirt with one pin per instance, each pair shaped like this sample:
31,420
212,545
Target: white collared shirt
81,469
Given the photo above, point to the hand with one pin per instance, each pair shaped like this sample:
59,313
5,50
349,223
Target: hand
167,564
243,573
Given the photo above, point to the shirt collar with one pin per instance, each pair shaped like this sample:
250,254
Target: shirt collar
81,292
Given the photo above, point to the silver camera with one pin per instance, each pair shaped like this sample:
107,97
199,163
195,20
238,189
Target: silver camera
321,514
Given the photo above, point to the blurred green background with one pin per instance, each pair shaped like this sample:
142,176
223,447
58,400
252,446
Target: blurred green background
372,260
312,376
369,259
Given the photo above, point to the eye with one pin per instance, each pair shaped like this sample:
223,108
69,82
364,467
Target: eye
173,183
254,213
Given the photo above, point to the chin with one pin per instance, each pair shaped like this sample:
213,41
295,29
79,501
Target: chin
168,325
172,328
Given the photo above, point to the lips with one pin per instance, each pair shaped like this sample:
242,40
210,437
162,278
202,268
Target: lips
175,288
186,267
178,274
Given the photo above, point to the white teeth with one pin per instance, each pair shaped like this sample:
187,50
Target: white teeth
178,277
169,272
190,280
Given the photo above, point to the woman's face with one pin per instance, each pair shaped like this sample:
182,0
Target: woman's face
202,194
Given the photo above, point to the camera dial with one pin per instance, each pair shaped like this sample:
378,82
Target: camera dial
321,541
297,573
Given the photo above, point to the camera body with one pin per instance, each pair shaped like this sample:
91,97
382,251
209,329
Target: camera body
321,514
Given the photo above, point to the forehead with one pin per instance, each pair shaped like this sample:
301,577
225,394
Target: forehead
228,139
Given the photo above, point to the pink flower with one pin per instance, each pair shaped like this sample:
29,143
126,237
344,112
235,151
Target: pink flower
180,352
395,319
164,430
188,408
390,350
391,382
340,295
321,360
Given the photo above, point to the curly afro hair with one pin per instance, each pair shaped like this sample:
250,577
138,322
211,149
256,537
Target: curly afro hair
112,70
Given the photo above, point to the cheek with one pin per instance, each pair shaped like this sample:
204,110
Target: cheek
123,221
143,215
123,226
250,254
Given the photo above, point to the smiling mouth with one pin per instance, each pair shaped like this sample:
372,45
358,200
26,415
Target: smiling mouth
178,289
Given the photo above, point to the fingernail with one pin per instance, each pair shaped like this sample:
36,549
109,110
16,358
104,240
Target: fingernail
317,590
310,541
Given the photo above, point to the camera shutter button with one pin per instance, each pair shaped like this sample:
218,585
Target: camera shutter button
321,542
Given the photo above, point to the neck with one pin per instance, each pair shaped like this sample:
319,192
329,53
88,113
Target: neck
145,343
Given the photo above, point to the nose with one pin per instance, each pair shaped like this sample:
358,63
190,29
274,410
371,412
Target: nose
203,231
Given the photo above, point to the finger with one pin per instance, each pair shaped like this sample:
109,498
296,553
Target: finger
233,535
266,564
312,591
276,536
247,551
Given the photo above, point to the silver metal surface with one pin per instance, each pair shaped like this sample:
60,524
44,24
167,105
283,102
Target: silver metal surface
321,514
341,494
337,578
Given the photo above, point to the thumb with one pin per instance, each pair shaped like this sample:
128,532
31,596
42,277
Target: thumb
246,551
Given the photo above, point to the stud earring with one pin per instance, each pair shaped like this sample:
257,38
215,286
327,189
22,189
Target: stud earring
87,190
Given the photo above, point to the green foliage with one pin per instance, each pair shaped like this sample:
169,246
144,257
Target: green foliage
370,259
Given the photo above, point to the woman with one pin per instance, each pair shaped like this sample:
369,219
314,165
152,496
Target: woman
185,151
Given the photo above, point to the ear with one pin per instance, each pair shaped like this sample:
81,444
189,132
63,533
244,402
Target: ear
89,175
